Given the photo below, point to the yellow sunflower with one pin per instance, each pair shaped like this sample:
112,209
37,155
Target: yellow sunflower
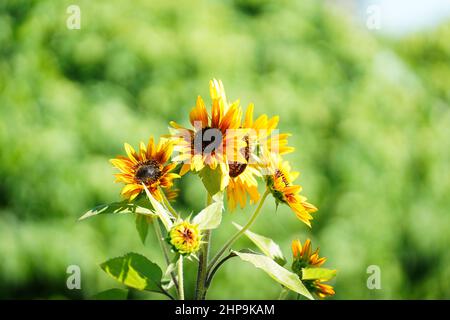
304,257
258,136
214,138
279,179
185,237
146,166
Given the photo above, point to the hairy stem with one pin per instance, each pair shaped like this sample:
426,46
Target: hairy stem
200,290
180,278
218,265
163,246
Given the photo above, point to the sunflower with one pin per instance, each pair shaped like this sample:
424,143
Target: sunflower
279,179
304,257
214,138
146,166
258,135
185,237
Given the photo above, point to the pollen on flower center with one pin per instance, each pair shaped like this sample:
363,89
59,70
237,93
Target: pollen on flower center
208,139
148,172
185,237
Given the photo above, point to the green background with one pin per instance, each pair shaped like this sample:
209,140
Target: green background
370,120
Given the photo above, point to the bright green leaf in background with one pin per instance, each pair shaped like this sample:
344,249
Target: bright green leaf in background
135,271
318,273
211,179
142,227
210,217
266,245
117,207
278,273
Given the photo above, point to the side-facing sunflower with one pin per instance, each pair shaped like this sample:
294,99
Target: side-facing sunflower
146,166
258,135
279,179
304,257
213,138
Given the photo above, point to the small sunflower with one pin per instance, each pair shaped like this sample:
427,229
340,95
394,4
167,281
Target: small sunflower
279,179
304,257
146,166
185,237
258,137
214,138
321,289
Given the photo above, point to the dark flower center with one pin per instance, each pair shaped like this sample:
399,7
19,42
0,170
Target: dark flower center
187,235
236,168
207,141
148,172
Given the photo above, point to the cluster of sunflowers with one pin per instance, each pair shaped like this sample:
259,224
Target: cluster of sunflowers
229,151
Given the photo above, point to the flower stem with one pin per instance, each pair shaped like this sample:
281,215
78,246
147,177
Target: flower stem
180,278
167,204
163,246
200,290
218,265
238,234
283,293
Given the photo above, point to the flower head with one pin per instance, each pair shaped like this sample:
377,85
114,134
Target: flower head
304,257
185,237
260,134
321,289
146,166
213,138
279,179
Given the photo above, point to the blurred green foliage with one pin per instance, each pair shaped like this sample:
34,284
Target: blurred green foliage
370,120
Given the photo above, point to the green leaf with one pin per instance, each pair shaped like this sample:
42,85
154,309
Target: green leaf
210,217
165,216
211,179
135,271
278,273
111,294
266,245
318,273
142,227
117,207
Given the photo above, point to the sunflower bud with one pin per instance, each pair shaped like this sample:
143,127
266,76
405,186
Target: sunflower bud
185,238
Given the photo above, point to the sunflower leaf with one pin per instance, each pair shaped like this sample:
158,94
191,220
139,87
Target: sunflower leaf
134,271
212,179
142,227
275,271
318,273
210,217
165,216
266,245
111,294
117,207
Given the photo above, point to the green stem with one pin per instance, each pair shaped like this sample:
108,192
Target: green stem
163,246
218,265
180,278
167,204
283,293
239,233
200,290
